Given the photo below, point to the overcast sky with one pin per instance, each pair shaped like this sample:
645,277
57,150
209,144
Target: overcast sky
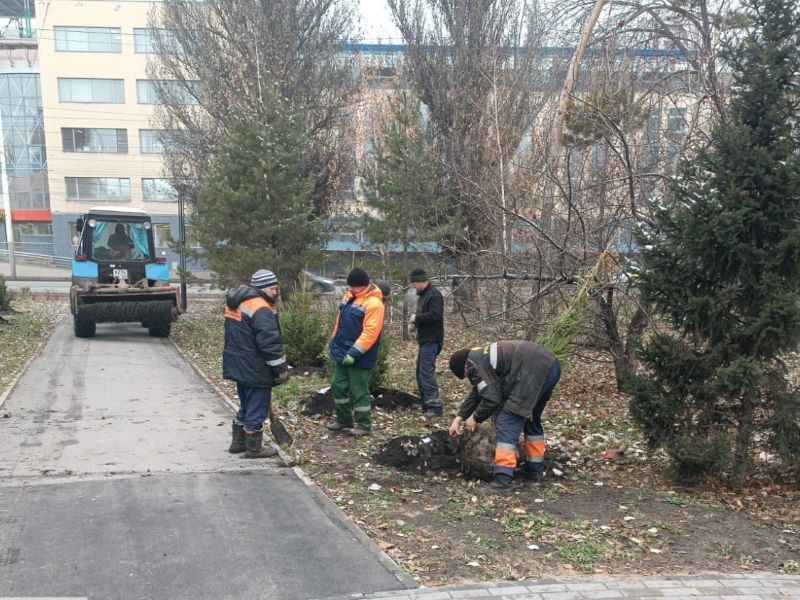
376,21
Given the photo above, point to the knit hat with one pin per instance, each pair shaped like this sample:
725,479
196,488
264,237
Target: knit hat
418,274
457,362
358,278
263,278
385,287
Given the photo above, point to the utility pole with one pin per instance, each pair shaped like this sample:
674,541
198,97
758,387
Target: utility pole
182,260
7,202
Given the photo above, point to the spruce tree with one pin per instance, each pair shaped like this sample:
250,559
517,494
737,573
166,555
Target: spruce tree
723,268
255,207
399,186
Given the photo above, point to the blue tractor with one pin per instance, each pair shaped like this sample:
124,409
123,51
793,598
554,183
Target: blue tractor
116,275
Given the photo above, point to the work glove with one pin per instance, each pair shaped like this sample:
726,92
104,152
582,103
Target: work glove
282,377
412,319
348,361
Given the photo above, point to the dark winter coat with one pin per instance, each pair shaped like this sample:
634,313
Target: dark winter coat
429,317
253,354
509,374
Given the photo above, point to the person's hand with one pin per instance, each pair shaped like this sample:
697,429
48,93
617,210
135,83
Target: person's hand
455,427
282,377
471,424
412,319
348,361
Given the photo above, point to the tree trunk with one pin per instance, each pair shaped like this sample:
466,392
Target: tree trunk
744,433
406,334
623,354
557,132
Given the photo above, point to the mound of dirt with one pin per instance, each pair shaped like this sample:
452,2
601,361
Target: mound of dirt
472,454
430,453
321,403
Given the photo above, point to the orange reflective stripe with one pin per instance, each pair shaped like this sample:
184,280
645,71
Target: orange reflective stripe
505,458
373,323
534,449
232,314
251,305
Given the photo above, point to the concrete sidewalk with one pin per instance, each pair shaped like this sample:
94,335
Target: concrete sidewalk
714,586
116,483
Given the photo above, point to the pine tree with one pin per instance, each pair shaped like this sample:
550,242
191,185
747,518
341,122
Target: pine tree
723,267
400,188
255,209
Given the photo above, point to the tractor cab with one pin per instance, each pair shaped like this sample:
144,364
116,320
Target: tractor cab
118,245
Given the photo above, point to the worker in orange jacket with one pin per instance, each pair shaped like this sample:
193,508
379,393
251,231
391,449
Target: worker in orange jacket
354,351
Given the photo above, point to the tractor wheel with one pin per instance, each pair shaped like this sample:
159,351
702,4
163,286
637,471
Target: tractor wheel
160,326
84,325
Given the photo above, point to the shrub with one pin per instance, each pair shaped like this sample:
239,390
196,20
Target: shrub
377,378
305,329
5,295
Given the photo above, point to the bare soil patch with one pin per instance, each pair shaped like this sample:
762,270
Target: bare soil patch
611,510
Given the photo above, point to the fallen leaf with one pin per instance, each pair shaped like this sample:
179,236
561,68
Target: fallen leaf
385,545
374,487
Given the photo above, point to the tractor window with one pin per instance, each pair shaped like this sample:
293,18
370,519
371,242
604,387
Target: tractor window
120,241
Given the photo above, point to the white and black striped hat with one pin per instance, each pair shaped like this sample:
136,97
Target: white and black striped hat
263,278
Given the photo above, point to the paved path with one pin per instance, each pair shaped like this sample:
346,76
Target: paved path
115,482
754,586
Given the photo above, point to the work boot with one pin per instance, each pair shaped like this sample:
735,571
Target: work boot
358,431
337,426
237,443
501,485
254,446
433,409
535,471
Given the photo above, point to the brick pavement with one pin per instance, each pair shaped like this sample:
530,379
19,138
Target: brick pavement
715,586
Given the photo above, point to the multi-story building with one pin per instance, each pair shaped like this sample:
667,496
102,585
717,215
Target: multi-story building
23,168
98,105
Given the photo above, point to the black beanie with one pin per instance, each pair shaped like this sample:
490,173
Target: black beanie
358,278
418,274
457,362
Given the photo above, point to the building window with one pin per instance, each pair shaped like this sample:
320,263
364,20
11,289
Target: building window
146,41
162,235
74,234
92,189
175,92
88,39
110,91
192,237
158,190
29,229
81,139
676,120
160,141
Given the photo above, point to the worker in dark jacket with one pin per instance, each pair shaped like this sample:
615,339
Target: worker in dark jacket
429,322
517,378
354,350
254,359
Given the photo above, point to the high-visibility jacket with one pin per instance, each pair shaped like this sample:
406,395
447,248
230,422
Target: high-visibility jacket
509,374
253,354
358,327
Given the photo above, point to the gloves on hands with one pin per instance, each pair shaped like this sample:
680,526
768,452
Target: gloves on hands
282,377
348,361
